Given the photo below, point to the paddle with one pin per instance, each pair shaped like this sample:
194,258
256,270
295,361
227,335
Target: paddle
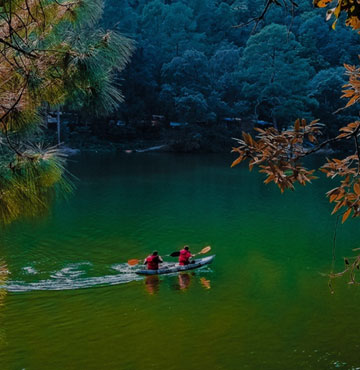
135,261
203,251
175,254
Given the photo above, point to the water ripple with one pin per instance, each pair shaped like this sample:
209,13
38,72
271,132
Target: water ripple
70,283
72,277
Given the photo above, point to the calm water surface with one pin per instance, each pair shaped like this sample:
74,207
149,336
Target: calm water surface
71,302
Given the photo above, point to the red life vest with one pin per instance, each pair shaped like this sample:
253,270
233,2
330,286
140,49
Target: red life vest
184,257
152,262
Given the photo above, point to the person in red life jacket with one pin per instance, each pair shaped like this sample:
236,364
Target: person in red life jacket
185,255
153,261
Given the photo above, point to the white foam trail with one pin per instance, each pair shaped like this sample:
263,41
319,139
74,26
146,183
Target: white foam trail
69,284
68,278
29,270
70,271
124,268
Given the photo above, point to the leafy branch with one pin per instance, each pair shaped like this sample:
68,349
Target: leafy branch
44,59
279,154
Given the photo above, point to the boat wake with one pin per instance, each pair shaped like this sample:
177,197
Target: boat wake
71,277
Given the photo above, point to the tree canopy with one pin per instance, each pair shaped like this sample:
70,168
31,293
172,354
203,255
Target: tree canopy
51,52
167,32
279,78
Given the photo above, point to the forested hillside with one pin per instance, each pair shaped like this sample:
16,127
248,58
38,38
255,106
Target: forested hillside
192,65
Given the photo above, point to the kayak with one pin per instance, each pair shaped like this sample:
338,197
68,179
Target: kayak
175,267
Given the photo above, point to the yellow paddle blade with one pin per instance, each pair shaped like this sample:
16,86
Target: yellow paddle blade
205,250
133,262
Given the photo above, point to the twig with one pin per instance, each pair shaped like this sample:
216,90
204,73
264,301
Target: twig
267,6
258,19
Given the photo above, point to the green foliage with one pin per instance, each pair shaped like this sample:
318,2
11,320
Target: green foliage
51,53
231,75
279,78
30,183
98,56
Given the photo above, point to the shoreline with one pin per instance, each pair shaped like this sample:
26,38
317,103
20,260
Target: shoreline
194,139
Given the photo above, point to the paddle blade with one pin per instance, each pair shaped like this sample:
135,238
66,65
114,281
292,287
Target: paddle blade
133,262
175,254
205,250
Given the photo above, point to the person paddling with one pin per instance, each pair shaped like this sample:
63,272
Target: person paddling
185,255
153,261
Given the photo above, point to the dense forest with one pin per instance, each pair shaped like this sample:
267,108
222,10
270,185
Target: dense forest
192,64
128,72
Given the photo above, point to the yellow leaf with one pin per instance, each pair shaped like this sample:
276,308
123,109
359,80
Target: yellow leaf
338,9
346,215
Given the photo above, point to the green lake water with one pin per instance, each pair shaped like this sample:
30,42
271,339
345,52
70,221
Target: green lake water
71,302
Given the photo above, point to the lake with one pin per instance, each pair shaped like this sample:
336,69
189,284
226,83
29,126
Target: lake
71,302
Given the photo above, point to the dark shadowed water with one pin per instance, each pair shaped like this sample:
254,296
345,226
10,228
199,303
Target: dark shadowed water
71,302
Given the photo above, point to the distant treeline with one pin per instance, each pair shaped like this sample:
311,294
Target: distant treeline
191,63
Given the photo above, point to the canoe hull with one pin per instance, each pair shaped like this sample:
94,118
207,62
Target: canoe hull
177,268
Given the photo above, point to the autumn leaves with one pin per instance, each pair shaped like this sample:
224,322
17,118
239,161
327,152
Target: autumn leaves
351,7
346,195
278,154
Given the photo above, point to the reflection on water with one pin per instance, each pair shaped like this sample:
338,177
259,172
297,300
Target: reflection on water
184,281
152,283
205,283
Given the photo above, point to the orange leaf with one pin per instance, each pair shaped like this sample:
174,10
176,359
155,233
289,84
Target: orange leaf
346,215
297,125
312,138
340,196
352,101
321,3
348,93
336,208
357,188
237,161
342,135
269,179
